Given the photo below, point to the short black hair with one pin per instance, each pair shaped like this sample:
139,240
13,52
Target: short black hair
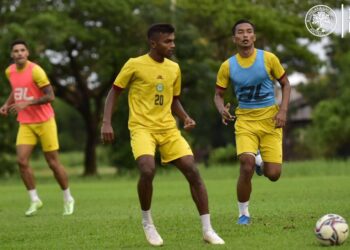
240,22
159,28
19,41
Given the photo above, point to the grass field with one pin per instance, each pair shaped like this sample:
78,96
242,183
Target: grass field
107,212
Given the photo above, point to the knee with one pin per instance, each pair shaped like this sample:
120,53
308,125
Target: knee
247,164
23,163
147,171
53,163
192,174
273,176
272,171
189,169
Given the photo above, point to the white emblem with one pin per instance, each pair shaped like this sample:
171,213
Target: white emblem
320,20
160,87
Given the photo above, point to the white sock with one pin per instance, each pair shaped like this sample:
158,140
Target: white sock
33,194
67,195
206,225
243,208
147,217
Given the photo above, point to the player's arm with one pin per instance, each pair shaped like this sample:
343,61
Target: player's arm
5,107
178,110
47,97
281,117
120,83
279,73
224,110
107,133
221,86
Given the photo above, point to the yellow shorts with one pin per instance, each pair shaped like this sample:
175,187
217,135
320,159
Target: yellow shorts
259,134
28,134
171,144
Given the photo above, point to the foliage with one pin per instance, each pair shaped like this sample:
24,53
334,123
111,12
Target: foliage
8,129
83,44
330,131
223,155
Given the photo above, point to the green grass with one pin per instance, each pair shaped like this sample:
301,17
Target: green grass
108,216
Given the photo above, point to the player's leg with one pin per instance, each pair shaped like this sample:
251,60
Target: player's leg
175,149
23,155
271,150
25,144
272,170
49,142
259,164
244,186
198,191
143,146
147,170
52,159
247,145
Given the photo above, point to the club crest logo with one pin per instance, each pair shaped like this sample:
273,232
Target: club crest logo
320,20
160,87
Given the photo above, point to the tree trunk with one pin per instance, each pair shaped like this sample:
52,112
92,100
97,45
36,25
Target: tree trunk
90,161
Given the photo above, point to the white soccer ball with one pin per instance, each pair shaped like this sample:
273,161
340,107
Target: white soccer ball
331,229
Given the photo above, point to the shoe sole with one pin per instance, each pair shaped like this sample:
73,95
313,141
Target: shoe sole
35,212
208,242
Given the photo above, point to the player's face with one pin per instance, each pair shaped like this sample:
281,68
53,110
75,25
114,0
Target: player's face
19,54
244,35
165,45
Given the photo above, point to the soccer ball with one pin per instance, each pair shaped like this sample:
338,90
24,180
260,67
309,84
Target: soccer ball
331,229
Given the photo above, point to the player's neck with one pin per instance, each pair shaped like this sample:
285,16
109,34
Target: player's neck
246,52
156,57
21,66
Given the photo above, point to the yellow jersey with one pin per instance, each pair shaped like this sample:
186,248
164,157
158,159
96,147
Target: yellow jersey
152,87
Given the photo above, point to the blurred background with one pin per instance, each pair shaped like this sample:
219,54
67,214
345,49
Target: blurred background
82,46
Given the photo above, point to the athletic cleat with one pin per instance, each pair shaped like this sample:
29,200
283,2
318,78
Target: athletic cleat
152,235
34,207
68,207
259,164
243,220
211,237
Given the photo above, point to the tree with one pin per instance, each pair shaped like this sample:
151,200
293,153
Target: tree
329,134
83,44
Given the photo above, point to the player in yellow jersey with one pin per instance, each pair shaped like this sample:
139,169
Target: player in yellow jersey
30,98
154,84
259,120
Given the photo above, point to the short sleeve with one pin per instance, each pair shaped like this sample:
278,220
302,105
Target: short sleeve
277,70
7,73
223,76
125,75
177,84
40,77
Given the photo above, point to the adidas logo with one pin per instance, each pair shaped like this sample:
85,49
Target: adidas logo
160,77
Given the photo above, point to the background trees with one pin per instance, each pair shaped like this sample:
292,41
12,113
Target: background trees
83,44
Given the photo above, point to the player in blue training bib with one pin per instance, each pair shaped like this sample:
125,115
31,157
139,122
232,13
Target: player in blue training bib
259,121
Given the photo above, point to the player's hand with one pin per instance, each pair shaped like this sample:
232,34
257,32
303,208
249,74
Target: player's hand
280,119
17,107
226,115
189,123
107,133
4,110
